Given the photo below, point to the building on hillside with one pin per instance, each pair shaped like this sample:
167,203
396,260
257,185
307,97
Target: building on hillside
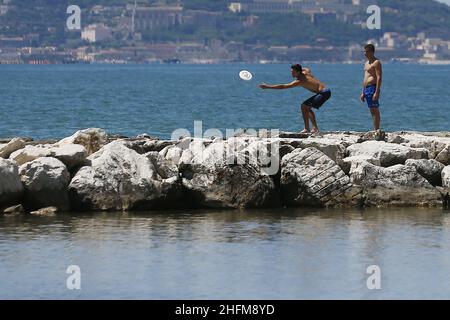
96,33
150,18
305,6
200,18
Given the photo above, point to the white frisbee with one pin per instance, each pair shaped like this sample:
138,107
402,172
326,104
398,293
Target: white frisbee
245,75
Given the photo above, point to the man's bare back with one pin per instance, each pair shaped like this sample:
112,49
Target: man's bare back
310,83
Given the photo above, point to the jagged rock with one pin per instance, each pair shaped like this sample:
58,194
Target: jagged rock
165,168
172,153
45,212
294,135
186,158
245,133
378,135
92,139
17,209
349,161
241,171
395,138
444,155
345,138
235,150
11,189
213,182
389,154
143,146
311,178
119,178
446,177
45,181
334,149
8,140
146,136
208,156
266,154
285,150
30,153
72,155
429,169
436,144
398,185
445,198
12,146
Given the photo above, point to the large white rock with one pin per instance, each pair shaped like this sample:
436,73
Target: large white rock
12,146
398,185
11,188
311,178
344,138
446,177
435,144
333,148
348,162
429,169
121,179
389,154
217,177
214,154
164,167
172,153
444,155
72,155
92,139
45,181
235,150
30,153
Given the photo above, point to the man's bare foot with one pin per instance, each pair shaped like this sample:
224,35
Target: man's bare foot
305,131
315,131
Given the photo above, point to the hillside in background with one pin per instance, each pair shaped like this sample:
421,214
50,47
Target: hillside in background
415,16
47,18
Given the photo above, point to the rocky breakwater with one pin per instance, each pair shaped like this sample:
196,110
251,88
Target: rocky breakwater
91,171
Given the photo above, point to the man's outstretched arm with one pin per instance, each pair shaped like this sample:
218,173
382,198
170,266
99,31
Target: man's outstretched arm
293,84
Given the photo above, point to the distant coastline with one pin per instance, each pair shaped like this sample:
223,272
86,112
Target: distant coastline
216,62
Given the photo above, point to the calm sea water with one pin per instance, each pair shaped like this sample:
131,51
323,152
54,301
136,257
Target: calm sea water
278,254
55,101
265,254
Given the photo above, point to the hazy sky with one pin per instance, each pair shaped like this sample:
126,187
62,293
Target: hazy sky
445,1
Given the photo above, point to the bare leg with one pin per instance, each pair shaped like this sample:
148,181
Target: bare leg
376,118
312,116
305,114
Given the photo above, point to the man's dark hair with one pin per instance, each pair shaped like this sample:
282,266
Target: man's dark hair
297,68
370,47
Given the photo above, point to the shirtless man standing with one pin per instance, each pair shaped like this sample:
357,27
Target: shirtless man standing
372,84
305,79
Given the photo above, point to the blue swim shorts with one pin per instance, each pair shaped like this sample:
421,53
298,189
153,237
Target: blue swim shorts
369,91
319,99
